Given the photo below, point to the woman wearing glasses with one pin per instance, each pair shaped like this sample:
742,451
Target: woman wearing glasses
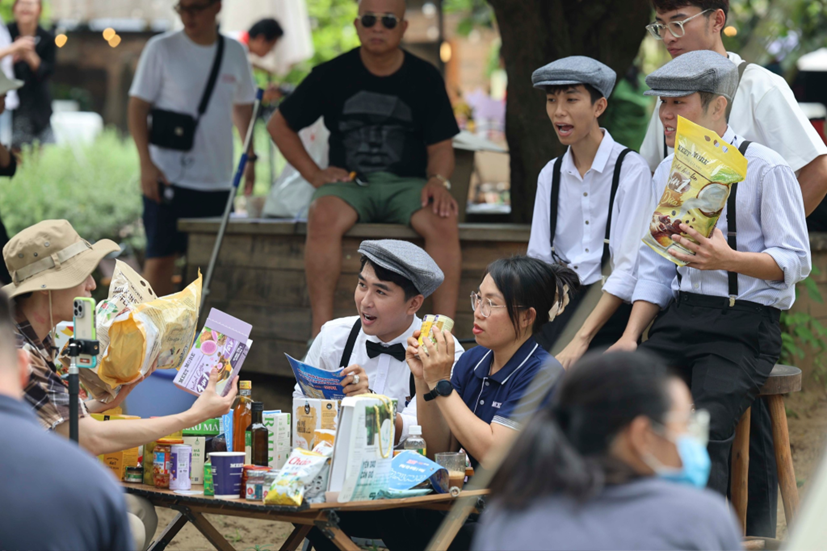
617,461
476,407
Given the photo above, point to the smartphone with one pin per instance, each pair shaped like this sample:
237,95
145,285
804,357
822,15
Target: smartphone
84,328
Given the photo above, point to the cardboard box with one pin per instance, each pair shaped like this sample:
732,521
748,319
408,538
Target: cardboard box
310,415
197,437
278,441
117,462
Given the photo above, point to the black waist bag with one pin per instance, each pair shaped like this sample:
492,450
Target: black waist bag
173,130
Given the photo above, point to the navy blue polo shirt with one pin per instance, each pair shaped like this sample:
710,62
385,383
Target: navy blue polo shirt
494,398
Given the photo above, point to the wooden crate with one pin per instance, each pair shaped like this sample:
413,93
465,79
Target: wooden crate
259,277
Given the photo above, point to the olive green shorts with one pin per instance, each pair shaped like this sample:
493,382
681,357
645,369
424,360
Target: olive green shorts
386,199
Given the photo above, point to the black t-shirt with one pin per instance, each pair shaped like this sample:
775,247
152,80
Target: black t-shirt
35,97
376,123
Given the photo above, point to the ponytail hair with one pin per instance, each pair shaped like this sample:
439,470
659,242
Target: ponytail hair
564,449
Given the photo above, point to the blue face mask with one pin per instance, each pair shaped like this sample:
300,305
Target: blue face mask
694,459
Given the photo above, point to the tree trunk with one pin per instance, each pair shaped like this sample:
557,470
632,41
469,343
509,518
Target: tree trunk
537,32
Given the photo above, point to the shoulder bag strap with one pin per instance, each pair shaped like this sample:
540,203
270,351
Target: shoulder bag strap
606,261
216,66
741,68
553,202
351,342
732,230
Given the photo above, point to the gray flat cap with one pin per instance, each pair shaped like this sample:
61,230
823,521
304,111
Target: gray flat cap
698,71
407,260
576,69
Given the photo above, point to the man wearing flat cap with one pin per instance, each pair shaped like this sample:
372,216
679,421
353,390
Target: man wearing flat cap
589,210
717,318
395,280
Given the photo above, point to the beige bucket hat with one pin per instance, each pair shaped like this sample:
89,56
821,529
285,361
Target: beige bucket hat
51,256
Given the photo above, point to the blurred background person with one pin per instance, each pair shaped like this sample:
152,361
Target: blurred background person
34,64
8,162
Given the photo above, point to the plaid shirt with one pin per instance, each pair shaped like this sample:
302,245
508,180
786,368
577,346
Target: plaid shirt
47,393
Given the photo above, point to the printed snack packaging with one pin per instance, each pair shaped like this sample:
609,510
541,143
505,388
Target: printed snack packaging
703,170
152,335
197,437
297,476
310,415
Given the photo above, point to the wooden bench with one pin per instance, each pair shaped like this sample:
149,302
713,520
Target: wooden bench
782,380
259,276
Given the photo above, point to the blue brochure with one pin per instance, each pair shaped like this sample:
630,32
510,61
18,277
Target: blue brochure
317,383
410,469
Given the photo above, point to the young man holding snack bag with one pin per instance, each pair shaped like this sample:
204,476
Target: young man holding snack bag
591,203
716,314
395,280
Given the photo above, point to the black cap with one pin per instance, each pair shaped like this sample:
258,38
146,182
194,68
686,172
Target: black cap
258,406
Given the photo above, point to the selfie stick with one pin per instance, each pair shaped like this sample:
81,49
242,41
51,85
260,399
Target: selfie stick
242,164
76,348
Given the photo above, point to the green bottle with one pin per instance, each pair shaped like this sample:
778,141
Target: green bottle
208,486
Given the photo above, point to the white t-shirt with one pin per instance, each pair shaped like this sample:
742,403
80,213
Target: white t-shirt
7,66
172,74
765,111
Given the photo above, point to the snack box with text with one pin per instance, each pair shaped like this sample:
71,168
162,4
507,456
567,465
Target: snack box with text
310,415
197,437
278,440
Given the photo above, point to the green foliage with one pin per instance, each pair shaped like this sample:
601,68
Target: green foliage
801,333
95,187
475,13
333,34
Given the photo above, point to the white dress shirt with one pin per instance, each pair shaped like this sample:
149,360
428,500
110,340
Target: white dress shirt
764,111
386,375
770,219
582,212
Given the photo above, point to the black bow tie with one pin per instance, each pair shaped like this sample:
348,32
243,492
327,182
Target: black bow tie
374,349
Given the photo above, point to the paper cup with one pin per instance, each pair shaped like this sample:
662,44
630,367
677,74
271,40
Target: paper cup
226,473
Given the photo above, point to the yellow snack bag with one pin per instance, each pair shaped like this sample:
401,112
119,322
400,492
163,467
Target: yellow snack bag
703,171
152,335
295,476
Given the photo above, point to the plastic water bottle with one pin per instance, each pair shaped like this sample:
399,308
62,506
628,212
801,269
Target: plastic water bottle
414,441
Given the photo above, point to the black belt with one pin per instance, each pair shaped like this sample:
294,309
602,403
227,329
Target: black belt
706,301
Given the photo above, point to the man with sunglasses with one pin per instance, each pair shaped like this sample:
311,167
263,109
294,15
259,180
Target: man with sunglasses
764,109
173,78
391,153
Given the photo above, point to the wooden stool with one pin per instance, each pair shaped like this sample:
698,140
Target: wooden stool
783,380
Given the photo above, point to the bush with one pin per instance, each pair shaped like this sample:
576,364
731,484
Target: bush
96,187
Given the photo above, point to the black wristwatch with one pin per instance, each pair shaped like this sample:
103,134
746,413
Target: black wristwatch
442,388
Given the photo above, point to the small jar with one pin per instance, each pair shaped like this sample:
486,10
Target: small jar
162,463
269,478
134,475
255,485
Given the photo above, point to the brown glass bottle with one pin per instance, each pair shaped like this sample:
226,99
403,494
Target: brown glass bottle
258,436
242,416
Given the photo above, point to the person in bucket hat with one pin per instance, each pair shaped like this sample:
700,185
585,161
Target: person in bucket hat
8,163
51,265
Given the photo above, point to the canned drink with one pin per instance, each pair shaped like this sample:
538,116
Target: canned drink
179,476
436,322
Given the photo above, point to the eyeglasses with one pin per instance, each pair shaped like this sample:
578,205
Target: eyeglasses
192,10
389,21
657,30
697,426
487,305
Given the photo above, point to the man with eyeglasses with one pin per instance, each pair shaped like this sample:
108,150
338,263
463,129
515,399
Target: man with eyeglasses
764,109
173,81
391,154
716,319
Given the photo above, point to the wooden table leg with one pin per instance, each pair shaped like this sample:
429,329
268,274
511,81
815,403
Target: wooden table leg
169,532
452,524
740,470
295,539
207,530
783,457
327,523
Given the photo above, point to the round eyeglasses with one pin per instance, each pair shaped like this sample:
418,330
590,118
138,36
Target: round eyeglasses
658,30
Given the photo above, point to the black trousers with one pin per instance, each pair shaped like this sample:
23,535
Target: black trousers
399,529
725,355
607,336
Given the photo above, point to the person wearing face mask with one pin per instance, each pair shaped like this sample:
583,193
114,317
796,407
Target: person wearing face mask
717,318
615,461
51,265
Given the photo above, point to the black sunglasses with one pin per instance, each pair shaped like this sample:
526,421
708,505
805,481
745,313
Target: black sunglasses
389,21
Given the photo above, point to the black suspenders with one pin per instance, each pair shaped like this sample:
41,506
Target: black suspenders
555,200
348,351
732,230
